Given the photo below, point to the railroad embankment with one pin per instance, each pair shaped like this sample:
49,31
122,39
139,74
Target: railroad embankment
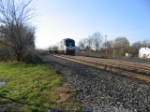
101,90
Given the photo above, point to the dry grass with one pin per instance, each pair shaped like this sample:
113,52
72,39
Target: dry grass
65,99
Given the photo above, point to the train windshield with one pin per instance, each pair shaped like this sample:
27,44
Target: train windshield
70,43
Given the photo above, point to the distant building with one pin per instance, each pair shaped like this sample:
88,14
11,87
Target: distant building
128,55
144,52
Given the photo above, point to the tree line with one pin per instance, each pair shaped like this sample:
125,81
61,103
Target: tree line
118,47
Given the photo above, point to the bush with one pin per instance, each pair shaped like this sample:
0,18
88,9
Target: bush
5,54
32,57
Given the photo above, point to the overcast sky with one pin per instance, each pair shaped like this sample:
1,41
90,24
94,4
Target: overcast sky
78,19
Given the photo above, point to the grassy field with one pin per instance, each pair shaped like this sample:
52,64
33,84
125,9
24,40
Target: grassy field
34,88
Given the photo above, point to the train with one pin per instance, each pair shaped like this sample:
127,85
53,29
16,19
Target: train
65,46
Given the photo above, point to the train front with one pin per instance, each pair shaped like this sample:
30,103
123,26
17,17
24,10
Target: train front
70,46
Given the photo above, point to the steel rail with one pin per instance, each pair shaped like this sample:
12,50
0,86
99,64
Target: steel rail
123,65
121,62
129,71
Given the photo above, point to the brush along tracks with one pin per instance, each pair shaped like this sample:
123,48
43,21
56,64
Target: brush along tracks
132,70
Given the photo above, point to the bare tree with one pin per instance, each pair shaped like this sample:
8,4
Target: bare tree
92,42
137,45
121,45
110,45
82,44
135,48
14,16
97,40
89,42
146,43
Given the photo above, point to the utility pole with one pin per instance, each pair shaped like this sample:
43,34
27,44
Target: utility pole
105,44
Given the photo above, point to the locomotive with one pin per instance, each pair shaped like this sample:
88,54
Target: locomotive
65,46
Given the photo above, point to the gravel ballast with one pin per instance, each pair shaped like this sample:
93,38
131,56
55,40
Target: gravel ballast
103,91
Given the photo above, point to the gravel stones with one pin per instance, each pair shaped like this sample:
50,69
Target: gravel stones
103,91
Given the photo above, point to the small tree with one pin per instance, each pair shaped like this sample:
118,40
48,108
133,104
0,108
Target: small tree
19,36
89,42
110,46
146,43
4,50
97,41
135,48
121,45
82,44
137,45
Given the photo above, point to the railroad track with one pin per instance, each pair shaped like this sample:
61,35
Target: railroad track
132,70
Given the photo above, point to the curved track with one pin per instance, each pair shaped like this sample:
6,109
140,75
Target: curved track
132,70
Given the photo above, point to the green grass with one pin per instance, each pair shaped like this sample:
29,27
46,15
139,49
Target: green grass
33,88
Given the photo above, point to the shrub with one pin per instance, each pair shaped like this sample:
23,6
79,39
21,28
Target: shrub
32,57
5,54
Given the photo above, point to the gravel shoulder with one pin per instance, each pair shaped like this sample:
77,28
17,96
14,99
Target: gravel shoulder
102,91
